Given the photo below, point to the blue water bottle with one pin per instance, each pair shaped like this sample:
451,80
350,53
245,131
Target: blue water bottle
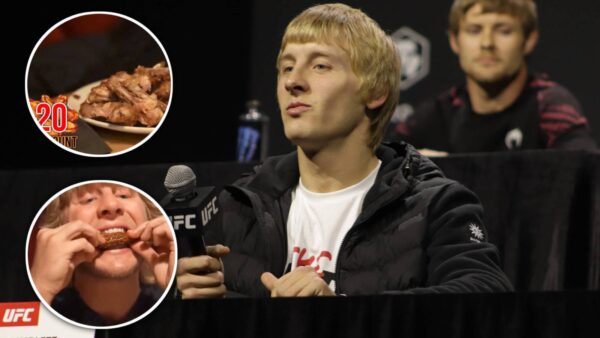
253,134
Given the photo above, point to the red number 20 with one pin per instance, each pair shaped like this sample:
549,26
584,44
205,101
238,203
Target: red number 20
59,116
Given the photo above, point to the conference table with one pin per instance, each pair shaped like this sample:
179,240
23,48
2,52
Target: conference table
523,314
542,210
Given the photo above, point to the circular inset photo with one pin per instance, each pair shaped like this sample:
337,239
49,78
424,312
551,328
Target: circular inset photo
101,254
98,84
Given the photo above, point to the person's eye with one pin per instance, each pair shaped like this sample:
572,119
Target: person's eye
505,30
123,194
472,30
286,69
322,67
87,199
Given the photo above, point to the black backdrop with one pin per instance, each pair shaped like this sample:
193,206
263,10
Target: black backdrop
218,66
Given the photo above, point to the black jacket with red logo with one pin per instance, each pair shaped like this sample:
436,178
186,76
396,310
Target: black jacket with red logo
545,115
417,232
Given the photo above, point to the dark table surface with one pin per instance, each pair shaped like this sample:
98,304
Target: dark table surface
531,314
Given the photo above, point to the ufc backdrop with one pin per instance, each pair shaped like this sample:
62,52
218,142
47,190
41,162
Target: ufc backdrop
567,51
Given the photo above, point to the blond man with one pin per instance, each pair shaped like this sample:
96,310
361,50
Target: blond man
344,214
87,276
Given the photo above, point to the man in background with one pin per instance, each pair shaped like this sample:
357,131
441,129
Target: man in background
501,106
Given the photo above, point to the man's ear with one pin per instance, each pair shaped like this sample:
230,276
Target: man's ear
453,39
376,103
531,42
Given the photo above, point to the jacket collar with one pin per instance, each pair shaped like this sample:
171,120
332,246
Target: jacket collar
401,164
276,175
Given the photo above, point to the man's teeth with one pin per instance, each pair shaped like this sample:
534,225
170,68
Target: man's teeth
113,230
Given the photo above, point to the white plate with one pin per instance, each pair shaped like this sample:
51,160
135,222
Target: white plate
80,95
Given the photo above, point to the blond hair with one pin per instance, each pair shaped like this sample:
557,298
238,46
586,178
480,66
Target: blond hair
53,215
373,55
524,10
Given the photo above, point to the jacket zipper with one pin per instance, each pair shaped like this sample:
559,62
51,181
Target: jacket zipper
285,242
257,213
406,171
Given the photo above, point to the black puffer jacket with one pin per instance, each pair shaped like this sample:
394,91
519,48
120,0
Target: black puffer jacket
418,231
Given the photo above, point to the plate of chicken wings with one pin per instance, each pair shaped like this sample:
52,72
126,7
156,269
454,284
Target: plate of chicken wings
131,103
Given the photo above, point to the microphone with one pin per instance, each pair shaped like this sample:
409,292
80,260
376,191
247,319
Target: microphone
190,209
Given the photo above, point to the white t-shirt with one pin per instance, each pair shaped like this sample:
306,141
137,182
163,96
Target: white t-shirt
318,222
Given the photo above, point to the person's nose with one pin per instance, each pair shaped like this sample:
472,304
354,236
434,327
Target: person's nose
487,39
295,82
110,206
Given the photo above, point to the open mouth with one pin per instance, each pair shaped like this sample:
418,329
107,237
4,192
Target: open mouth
116,238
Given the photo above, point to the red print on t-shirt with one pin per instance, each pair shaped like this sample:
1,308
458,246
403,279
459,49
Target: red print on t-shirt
312,260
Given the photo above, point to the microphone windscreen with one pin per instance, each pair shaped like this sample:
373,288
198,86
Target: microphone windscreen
180,181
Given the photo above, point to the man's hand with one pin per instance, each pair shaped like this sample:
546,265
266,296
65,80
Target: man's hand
58,252
156,247
302,282
202,276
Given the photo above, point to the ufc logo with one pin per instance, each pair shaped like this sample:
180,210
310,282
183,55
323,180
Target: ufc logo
20,314
210,210
185,220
